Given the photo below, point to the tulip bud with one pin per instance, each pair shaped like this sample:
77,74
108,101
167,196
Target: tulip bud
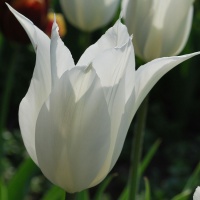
89,15
160,28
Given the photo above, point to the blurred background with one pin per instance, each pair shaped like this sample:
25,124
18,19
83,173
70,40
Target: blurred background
173,116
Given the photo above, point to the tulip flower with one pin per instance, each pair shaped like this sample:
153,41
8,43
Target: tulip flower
196,195
158,27
74,118
89,15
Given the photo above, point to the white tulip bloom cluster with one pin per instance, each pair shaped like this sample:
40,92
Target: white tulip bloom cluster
74,118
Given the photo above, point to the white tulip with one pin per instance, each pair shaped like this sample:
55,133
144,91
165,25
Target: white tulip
160,28
196,195
89,15
74,118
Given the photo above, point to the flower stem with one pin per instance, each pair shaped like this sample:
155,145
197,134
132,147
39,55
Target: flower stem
137,150
69,196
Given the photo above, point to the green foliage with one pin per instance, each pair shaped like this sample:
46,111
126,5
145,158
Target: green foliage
3,191
84,195
144,164
193,180
149,156
103,186
124,194
19,184
183,195
54,193
147,189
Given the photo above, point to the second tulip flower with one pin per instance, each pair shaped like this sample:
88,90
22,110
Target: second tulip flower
160,28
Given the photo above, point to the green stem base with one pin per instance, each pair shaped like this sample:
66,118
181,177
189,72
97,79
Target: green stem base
69,196
137,150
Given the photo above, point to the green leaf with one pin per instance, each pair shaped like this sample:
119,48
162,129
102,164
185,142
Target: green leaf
3,191
54,193
193,181
18,185
125,193
144,164
147,189
84,195
183,195
103,186
148,157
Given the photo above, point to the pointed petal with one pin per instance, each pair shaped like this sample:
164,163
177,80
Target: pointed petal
73,130
61,58
196,195
148,74
27,25
113,64
40,84
116,36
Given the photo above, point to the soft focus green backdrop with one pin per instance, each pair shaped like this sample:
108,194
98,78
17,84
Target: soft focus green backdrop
173,117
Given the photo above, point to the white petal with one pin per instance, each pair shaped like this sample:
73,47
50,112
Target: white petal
148,74
175,35
116,36
138,17
89,15
116,107
166,38
27,25
159,29
73,130
125,122
116,71
112,64
118,137
61,58
196,195
40,84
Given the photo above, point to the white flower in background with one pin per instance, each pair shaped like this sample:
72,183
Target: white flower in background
89,15
160,28
74,118
196,195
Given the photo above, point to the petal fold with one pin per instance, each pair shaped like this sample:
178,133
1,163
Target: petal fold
73,123
115,67
116,36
